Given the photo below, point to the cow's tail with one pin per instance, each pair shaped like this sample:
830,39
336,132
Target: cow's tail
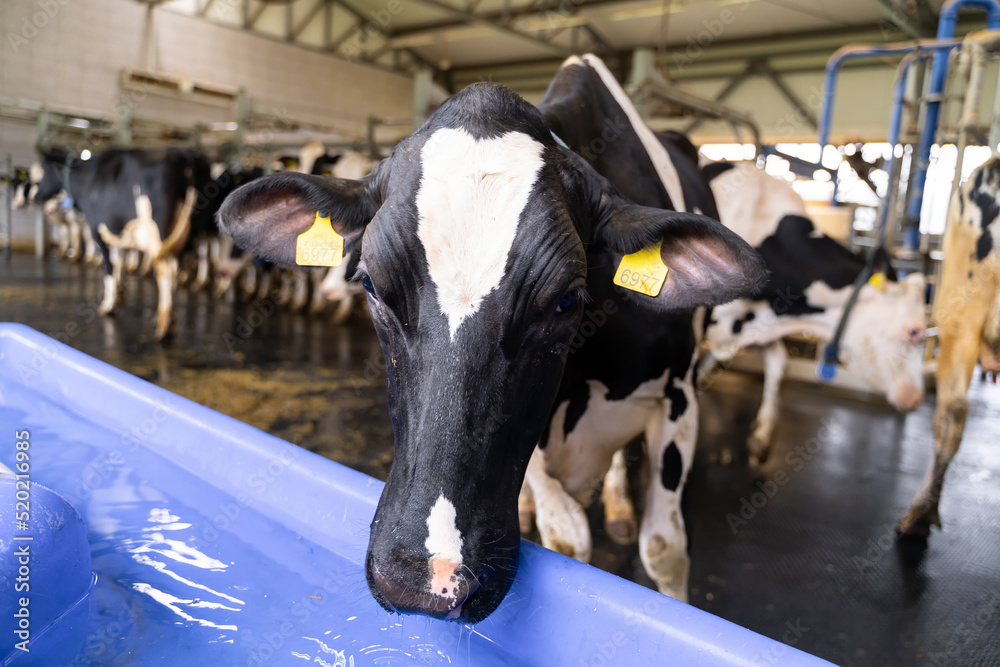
182,226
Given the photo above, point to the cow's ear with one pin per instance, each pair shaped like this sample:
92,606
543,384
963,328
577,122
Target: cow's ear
706,263
267,215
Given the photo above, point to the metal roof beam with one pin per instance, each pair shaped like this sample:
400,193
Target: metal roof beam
307,19
474,19
895,13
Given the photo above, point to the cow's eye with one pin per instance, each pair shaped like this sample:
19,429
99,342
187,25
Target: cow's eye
568,302
366,282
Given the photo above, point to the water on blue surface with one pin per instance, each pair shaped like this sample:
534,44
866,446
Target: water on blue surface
189,576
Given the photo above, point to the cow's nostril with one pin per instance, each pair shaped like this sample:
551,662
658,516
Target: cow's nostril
439,598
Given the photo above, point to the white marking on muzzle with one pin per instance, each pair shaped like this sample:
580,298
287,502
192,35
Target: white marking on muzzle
471,196
444,542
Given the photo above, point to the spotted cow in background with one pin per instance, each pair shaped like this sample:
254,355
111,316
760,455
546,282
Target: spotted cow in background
810,281
967,315
613,390
133,199
481,239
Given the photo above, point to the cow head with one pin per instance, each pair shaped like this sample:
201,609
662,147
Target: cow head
884,342
475,238
47,175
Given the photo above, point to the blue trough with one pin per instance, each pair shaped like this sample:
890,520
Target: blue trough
214,543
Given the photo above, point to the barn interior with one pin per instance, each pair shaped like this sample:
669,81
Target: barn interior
802,548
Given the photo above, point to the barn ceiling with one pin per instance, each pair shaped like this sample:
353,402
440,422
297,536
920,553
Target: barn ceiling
464,38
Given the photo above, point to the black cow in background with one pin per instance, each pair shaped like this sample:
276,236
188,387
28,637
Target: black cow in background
215,251
139,199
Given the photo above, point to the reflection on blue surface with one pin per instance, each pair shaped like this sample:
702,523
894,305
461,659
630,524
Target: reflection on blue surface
215,544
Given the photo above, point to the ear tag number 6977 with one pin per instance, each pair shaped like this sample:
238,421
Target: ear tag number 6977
320,245
643,271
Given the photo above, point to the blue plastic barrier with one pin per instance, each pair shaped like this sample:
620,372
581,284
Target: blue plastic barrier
214,543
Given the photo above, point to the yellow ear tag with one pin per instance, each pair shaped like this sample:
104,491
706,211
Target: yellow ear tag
320,245
643,271
877,281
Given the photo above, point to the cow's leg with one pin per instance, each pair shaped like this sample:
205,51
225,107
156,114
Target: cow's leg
619,513
706,370
165,269
201,276
112,280
90,253
131,260
317,302
561,520
145,262
344,308
75,249
662,540
285,287
249,276
300,295
61,224
526,508
775,358
267,278
956,362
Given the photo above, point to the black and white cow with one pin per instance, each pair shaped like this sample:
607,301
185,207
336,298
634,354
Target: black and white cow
810,281
484,246
214,252
133,199
612,393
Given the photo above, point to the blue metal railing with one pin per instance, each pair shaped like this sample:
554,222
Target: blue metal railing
941,46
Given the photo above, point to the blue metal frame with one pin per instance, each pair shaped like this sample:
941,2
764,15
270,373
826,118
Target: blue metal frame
941,46
939,72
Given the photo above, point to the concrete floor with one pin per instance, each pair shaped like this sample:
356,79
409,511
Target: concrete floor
816,566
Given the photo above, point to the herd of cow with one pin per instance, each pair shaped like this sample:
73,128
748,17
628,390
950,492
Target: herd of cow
567,254
142,209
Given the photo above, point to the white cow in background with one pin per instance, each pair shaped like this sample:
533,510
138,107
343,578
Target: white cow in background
811,280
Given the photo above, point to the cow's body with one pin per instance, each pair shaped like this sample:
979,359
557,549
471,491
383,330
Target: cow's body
633,374
967,315
480,239
811,277
133,200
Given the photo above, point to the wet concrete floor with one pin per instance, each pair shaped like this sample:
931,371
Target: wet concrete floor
814,564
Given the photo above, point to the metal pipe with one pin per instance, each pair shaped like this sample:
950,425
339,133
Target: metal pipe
7,229
975,49
895,125
939,72
709,108
995,119
855,52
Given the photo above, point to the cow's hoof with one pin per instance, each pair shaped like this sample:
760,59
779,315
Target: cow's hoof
623,531
566,532
164,330
917,523
759,450
678,593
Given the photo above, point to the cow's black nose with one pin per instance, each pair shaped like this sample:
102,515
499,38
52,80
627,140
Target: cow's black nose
437,603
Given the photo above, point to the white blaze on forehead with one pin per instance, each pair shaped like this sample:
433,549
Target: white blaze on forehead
471,196
444,540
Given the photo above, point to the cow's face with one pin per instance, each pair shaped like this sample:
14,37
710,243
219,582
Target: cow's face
884,340
475,237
